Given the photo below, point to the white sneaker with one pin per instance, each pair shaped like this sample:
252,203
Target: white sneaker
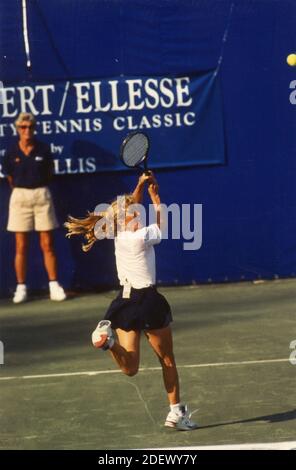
20,294
180,420
103,337
56,292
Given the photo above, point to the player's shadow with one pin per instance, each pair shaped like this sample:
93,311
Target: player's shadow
275,418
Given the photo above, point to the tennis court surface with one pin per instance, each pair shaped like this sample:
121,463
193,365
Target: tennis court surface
232,345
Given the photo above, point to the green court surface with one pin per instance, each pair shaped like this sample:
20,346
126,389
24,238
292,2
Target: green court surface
232,345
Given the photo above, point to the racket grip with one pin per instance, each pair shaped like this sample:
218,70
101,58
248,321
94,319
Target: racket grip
146,171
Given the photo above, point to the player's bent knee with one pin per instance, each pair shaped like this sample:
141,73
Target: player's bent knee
168,361
130,371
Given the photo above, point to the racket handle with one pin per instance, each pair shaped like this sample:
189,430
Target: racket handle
146,171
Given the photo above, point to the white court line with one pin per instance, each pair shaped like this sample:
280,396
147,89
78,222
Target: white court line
286,445
144,369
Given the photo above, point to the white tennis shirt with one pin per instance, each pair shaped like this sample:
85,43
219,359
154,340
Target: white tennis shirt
135,256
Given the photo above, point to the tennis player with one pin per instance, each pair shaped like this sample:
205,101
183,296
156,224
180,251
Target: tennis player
138,306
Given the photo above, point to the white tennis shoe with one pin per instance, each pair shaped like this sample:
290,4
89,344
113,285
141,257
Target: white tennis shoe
103,337
56,292
20,294
180,420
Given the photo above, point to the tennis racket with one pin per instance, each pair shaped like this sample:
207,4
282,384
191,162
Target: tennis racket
134,150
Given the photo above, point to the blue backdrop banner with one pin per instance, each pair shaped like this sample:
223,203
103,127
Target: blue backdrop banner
207,80
85,122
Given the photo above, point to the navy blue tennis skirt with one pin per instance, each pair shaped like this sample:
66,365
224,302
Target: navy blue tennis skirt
146,309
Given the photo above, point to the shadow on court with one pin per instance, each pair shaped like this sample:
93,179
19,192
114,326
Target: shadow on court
275,418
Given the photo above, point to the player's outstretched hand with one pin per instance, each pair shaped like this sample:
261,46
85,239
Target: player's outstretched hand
147,178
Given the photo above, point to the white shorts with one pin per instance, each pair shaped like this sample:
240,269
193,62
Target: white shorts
31,209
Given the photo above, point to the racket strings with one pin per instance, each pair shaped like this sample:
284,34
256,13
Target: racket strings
135,150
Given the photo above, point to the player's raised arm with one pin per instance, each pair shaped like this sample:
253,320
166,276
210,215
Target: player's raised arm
139,189
153,190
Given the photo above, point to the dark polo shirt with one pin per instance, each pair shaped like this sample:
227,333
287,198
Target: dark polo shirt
31,171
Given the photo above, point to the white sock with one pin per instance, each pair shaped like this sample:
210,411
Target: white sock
176,408
53,283
21,286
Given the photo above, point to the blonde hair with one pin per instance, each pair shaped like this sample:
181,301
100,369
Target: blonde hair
111,224
25,117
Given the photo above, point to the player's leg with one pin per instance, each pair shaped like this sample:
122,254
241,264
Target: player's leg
125,350
162,344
